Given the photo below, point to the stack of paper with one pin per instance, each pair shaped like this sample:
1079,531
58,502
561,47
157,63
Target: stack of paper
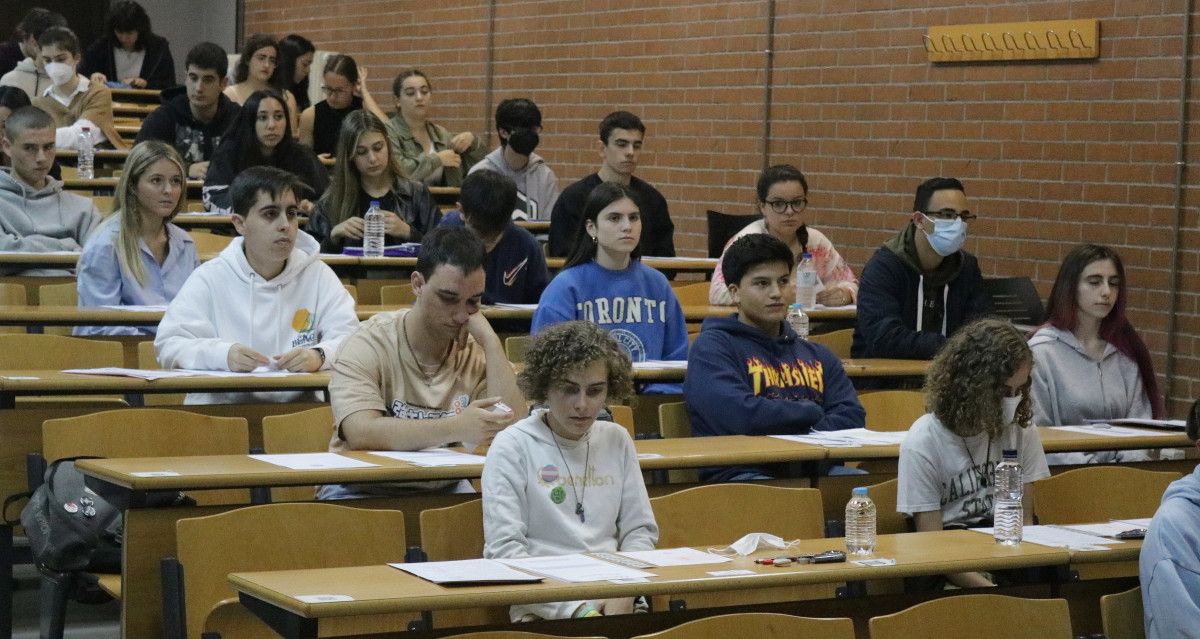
467,571
575,568
675,557
1104,430
432,457
680,364
1169,424
314,461
850,438
1059,538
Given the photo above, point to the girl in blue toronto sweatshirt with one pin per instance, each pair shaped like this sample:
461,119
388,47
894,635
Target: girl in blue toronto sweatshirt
604,282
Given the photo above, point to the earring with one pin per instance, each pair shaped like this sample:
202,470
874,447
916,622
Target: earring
595,239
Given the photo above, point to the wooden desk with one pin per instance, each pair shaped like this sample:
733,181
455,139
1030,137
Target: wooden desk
1053,441
106,185
136,95
48,382
383,589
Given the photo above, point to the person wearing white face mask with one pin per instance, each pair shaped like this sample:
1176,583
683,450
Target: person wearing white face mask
979,405
921,286
74,102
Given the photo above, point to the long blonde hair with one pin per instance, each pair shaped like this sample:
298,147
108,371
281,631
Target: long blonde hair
125,202
343,189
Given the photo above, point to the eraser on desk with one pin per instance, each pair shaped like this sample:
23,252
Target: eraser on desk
501,407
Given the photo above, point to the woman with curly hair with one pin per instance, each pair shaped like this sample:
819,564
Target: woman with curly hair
1091,363
544,492
978,402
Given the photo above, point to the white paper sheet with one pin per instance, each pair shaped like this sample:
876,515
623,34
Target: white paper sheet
1108,529
850,438
1112,431
680,364
675,557
135,308
575,568
138,373
1135,523
313,461
466,571
1056,537
1170,424
432,457
523,307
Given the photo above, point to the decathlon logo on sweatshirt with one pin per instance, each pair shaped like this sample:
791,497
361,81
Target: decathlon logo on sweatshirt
302,323
798,375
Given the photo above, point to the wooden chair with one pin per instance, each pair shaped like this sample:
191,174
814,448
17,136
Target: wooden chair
453,533
515,346
977,617
688,518
761,625
674,422
12,294
892,410
623,415
133,432
396,295
304,432
29,351
208,243
836,341
353,291
1121,615
58,295
1071,497
887,520
692,294
274,537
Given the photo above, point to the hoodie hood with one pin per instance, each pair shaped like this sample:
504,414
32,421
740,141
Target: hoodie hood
1187,489
11,185
734,327
495,162
233,258
1051,334
904,245
537,429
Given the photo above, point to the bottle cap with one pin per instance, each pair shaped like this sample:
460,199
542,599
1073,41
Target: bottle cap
806,256
87,128
1010,453
796,307
860,490
375,204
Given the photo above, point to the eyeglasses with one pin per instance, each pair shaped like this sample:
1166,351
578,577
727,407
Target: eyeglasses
330,91
950,214
779,206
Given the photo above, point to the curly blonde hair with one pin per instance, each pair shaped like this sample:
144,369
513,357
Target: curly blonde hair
557,351
966,381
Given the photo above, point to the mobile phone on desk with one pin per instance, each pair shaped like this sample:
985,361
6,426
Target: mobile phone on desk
1133,533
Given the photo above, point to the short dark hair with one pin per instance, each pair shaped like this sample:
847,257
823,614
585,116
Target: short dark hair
60,37
208,56
517,113
776,174
451,245
488,198
926,189
127,15
38,20
405,74
25,119
751,250
243,193
620,120
13,98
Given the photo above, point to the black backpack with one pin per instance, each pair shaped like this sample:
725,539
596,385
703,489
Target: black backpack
71,528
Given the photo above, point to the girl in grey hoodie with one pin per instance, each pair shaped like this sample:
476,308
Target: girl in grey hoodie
1089,362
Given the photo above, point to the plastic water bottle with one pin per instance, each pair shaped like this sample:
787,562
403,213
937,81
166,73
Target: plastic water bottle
860,523
806,282
798,320
1008,515
87,156
373,227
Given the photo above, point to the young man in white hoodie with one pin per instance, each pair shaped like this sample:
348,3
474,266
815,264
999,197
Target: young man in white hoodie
36,214
262,302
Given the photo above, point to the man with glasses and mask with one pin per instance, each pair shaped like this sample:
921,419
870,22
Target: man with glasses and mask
920,286
519,126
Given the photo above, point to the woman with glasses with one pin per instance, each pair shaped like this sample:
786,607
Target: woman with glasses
428,152
344,85
978,402
783,198
1091,363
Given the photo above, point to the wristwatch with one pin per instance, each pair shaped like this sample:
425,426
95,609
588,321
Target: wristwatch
320,351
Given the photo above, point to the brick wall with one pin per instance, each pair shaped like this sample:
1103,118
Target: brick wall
1052,153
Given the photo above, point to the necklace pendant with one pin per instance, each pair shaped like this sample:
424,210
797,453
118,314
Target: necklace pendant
579,511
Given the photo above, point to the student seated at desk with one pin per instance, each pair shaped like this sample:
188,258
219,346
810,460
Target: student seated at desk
129,52
428,152
28,74
368,168
36,214
429,376
1089,362
262,302
255,71
978,398
137,257
345,89
750,374
261,136
605,282
559,481
75,102
515,264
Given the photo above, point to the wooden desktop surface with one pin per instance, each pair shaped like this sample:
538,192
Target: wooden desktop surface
55,382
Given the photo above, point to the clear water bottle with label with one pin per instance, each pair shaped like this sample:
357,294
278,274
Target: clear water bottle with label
798,320
1008,514
373,230
860,523
806,282
87,156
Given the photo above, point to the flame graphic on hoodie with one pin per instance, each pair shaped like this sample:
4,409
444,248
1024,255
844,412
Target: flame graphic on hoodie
800,374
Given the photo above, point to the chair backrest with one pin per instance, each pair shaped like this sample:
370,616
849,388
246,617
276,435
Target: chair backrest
144,432
761,625
836,341
353,291
692,294
977,617
688,518
892,410
721,227
12,294
515,346
207,243
887,520
1121,615
451,533
64,294
623,415
1015,298
307,431
1073,497
35,352
396,295
673,420
146,359
278,537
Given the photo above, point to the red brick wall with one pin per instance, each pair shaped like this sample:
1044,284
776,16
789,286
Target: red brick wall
1052,153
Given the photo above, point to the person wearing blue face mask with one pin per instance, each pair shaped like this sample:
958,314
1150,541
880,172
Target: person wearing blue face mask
920,286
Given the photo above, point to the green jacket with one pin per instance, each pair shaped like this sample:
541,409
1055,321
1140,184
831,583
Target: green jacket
418,164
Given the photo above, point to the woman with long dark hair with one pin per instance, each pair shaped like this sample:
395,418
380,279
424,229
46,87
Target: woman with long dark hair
129,52
295,58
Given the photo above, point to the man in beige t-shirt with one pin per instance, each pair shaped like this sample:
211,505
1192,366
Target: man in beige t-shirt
430,376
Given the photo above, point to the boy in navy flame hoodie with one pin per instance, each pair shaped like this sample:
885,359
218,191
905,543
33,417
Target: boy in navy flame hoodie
750,374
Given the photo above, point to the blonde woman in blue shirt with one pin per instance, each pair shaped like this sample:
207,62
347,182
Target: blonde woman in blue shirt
137,257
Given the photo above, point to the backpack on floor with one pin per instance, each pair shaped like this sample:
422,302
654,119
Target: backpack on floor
71,528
